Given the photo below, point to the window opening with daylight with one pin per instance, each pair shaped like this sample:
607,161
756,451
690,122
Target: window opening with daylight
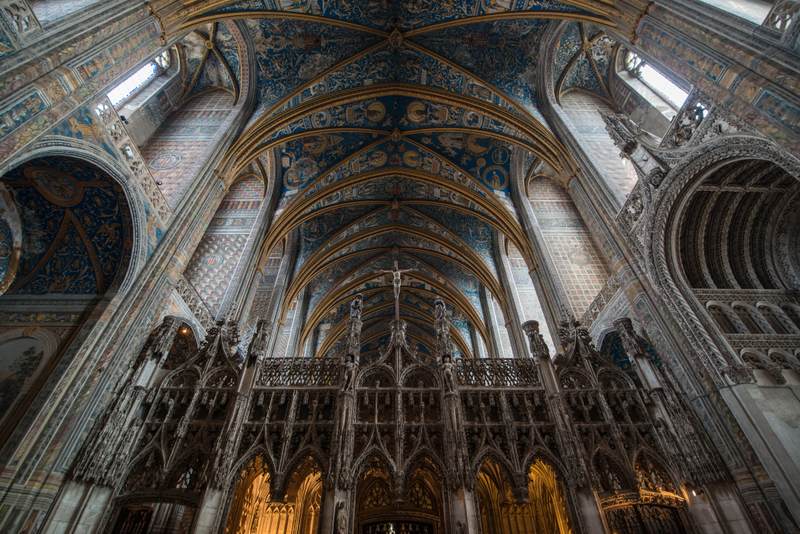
139,79
755,11
655,81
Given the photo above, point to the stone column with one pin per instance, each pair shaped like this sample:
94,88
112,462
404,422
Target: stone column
584,509
338,507
512,297
298,323
545,278
477,347
490,319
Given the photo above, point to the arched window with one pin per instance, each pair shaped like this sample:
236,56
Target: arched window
755,11
137,81
50,11
659,90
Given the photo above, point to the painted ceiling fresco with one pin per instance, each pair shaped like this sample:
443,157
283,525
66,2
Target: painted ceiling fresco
385,15
76,228
396,126
212,60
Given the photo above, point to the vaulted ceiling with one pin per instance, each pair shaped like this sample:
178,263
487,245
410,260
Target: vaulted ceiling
396,127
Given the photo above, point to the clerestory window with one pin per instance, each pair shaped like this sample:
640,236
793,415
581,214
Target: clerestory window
664,88
755,11
139,79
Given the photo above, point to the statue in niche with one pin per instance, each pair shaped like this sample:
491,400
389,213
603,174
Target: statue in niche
448,374
628,337
355,308
442,328
623,131
350,371
537,343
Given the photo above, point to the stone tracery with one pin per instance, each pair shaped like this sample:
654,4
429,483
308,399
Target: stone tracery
332,211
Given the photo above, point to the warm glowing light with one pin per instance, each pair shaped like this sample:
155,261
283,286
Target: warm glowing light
546,510
255,511
184,330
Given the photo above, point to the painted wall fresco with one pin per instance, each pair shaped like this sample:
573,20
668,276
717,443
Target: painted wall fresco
485,158
293,52
264,286
180,148
22,356
396,112
94,124
578,264
212,59
400,154
10,239
212,266
76,227
583,58
76,245
306,158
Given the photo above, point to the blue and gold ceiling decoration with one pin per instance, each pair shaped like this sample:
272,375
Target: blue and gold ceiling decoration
211,60
583,59
76,228
397,126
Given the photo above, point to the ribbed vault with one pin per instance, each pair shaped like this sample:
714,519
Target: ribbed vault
399,127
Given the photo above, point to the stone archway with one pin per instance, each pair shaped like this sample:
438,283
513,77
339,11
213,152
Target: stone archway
415,506
76,251
255,509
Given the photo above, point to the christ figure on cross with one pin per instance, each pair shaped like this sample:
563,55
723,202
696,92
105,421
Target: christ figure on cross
396,283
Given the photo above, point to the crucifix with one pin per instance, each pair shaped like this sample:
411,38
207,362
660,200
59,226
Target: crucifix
396,283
